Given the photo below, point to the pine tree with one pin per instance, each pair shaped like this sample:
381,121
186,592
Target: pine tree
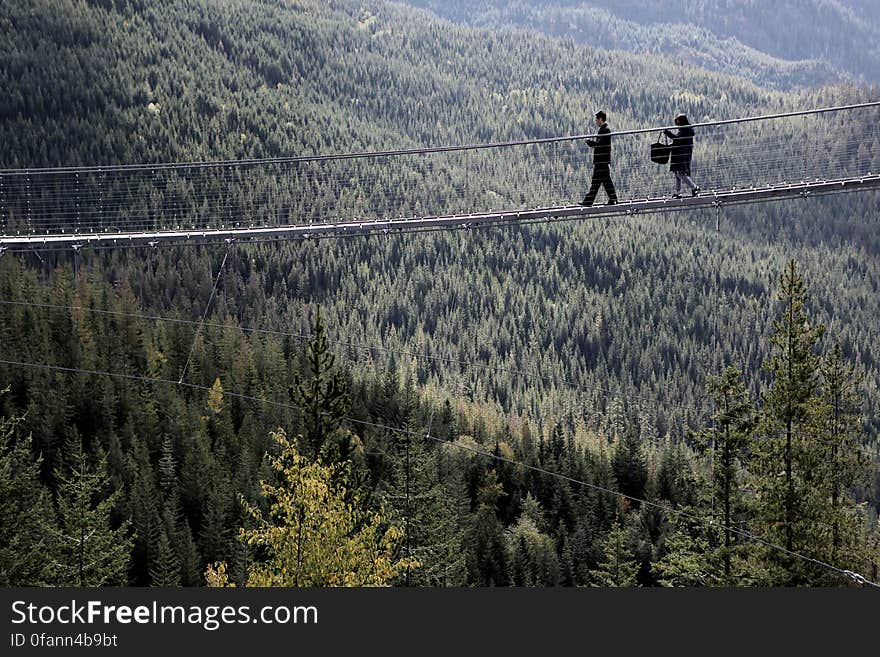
145,513
686,551
535,562
165,570
630,465
167,469
216,535
191,562
431,531
87,551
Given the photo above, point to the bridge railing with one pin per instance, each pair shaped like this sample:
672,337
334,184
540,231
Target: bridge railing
824,144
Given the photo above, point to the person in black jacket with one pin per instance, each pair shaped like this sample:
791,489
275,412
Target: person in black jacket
680,155
601,163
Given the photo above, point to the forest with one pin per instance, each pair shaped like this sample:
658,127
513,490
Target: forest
603,407
781,45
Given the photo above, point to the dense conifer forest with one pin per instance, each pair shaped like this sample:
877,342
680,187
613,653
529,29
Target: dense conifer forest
783,45
622,405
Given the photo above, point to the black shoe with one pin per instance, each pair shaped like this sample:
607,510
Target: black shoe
676,195
696,191
586,203
611,203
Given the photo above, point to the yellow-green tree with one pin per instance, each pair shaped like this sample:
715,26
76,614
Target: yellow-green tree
315,533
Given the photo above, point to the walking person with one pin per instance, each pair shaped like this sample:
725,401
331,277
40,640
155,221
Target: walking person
680,155
601,163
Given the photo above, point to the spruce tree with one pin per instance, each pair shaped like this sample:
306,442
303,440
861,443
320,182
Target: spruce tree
488,558
686,553
427,515
191,562
630,465
165,569
145,512
167,469
535,562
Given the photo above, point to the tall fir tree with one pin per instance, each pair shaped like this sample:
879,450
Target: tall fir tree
419,501
845,467
535,562
728,440
686,553
323,397
145,512
488,559
165,569
788,455
629,464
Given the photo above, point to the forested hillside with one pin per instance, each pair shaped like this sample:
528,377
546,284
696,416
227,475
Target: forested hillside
784,45
196,80
579,349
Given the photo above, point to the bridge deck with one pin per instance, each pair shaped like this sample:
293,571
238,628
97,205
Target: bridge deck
709,199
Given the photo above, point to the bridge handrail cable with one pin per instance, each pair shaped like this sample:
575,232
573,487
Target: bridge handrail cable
409,151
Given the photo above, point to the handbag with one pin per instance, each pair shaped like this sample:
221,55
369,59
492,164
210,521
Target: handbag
660,151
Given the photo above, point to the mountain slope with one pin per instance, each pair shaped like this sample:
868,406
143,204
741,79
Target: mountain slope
783,45
186,80
145,82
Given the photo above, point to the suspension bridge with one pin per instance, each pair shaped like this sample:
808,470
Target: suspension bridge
798,154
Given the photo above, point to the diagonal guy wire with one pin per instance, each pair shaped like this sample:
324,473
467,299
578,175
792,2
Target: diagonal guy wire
204,315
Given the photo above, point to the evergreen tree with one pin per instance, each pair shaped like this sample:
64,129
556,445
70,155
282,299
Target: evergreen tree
145,512
788,454
432,535
844,468
191,562
630,465
168,469
165,571
618,567
687,553
216,536
26,514
323,396
488,559
535,562
729,440
87,550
